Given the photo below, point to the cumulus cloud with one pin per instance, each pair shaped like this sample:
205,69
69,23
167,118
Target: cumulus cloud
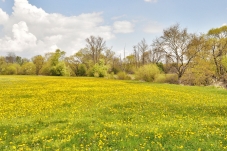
153,27
32,29
22,38
3,17
123,27
150,1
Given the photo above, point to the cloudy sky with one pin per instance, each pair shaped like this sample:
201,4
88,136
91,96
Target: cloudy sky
32,27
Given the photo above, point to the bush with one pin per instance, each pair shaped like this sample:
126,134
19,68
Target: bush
11,70
99,70
123,76
172,79
58,70
147,72
82,70
160,78
28,69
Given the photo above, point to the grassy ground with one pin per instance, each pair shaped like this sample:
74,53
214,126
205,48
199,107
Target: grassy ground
57,113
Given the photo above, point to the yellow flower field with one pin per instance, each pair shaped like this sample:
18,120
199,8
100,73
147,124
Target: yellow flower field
63,113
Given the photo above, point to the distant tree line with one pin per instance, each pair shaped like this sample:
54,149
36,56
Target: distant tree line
187,58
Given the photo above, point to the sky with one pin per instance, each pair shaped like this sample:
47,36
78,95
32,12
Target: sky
35,27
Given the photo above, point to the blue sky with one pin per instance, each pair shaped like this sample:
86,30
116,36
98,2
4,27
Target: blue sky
31,27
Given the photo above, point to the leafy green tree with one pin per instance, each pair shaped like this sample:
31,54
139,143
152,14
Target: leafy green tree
99,69
38,61
82,70
59,69
55,64
217,38
28,68
11,69
3,65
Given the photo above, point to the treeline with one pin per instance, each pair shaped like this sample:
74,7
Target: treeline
175,57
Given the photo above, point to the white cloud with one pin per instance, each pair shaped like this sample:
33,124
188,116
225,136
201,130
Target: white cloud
123,27
224,24
3,17
118,17
152,1
153,27
32,29
3,0
22,39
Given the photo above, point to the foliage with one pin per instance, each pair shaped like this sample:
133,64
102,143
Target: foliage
224,62
147,72
217,42
172,79
160,78
82,70
58,70
28,69
38,61
99,69
195,59
10,70
180,47
200,74
55,113
123,76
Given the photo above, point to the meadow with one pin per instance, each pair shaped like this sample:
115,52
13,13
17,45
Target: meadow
65,113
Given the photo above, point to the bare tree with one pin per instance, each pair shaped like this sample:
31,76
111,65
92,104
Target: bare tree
177,45
143,48
11,57
136,55
95,45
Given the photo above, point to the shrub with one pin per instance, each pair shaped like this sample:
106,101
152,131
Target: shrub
147,72
82,70
11,70
172,79
99,69
58,70
28,69
123,76
160,78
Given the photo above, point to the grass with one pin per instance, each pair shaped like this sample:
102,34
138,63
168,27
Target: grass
58,113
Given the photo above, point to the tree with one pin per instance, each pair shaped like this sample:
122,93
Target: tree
3,65
38,61
99,69
72,64
95,45
55,64
143,48
137,56
11,57
19,60
28,68
218,45
82,70
84,56
177,44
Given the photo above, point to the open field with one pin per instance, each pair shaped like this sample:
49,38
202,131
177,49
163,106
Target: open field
58,113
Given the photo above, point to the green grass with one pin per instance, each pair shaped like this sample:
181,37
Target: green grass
63,113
